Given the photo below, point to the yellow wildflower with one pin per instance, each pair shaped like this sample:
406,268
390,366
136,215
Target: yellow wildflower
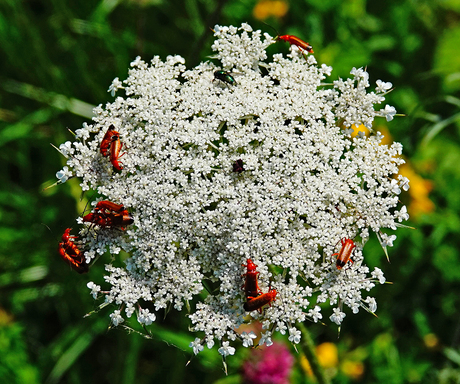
266,8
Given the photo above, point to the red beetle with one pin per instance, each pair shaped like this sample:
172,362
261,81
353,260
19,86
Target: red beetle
344,255
294,40
109,214
258,302
71,254
109,206
251,286
110,136
115,149
111,219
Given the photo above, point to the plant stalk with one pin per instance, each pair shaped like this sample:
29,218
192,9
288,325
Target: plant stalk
308,348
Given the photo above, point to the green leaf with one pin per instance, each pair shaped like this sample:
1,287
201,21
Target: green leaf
447,60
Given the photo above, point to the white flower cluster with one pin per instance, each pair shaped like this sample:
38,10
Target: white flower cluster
302,184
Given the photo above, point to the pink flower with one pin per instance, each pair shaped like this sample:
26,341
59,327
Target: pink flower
269,365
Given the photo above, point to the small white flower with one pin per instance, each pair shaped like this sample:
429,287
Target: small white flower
388,112
372,304
197,346
348,132
338,316
95,289
64,174
294,335
145,317
354,307
66,148
382,87
129,310
84,132
322,297
379,136
404,182
248,338
387,240
395,187
209,343
226,349
266,339
61,176
315,313
116,318
361,75
115,86
402,214
326,69
137,62
378,274
246,27
397,147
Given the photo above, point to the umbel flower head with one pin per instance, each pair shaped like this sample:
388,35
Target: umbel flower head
256,162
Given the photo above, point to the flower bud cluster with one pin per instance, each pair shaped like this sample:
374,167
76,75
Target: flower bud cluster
217,172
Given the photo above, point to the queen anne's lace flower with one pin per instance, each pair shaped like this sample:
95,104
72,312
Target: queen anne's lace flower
95,289
294,335
196,345
226,349
215,173
388,112
338,316
266,339
116,318
64,174
115,86
383,87
247,338
145,317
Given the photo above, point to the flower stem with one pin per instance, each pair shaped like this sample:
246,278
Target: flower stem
308,347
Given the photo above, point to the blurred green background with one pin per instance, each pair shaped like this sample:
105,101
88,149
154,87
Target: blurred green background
58,60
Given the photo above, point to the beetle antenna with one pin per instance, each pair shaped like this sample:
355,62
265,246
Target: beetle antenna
88,202
49,229
277,34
